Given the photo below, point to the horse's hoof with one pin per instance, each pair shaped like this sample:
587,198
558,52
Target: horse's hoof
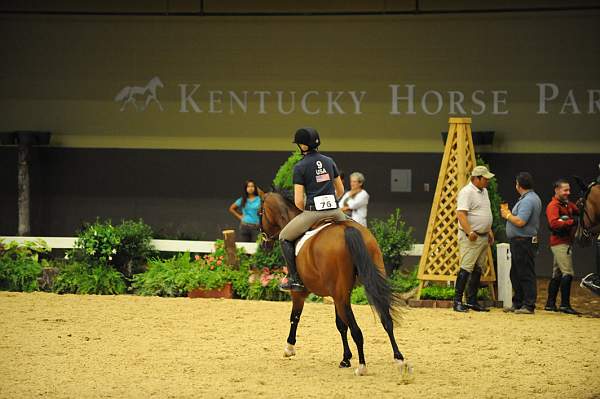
344,364
289,351
406,371
361,370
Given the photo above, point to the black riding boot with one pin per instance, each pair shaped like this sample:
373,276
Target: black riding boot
459,289
293,283
565,295
553,287
472,288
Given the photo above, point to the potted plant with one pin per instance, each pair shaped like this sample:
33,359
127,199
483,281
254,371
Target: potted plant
210,278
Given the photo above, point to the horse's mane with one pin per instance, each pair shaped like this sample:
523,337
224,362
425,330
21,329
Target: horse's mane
286,194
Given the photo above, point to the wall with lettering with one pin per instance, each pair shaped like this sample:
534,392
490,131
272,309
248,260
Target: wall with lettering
367,83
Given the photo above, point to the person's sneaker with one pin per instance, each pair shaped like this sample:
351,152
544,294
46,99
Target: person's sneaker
568,310
509,310
552,308
524,310
591,282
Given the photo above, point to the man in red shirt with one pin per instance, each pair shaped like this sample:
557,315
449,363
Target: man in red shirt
562,220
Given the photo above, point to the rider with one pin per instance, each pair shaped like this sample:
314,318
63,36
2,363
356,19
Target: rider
317,177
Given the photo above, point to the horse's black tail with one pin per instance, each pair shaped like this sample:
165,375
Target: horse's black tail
378,290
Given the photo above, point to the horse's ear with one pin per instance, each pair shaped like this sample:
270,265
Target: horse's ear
582,185
261,193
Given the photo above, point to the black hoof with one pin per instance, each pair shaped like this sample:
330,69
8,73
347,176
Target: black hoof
344,364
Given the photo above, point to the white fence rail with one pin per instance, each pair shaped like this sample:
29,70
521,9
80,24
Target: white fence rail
166,245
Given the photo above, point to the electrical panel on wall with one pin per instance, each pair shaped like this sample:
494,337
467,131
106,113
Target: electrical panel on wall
401,180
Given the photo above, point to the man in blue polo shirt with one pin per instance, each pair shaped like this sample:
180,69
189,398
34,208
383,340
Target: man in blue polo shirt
522,224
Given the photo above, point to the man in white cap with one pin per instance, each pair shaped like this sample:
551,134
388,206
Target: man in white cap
474,236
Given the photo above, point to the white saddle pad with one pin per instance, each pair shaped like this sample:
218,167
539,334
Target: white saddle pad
307,236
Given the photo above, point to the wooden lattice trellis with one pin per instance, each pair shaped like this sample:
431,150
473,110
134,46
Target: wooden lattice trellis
440,259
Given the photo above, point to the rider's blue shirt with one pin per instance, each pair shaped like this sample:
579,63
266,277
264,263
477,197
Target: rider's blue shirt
316,172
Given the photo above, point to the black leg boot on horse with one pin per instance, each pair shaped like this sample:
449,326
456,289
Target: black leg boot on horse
293,282
553,287
565,294
459,289
472,289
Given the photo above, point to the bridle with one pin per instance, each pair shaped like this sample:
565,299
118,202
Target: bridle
262,233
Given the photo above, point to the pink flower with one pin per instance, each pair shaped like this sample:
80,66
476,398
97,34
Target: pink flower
219,263
212,268
284,280
264,280
197,257
266,270
210,258
221,257
285,270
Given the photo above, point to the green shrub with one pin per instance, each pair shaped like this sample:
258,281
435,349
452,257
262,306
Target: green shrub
394,238
97,243
498,224
401,282
447,293
135,247
20,265
359,296
81,278
272,259
284,177
264,285
178,275
19,273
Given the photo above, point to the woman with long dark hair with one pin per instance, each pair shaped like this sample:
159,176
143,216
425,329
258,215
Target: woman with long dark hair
246,209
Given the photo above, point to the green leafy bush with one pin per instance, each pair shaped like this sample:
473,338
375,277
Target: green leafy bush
498,224
178,275
134,248
81,278
20,266
97,243
447,293
20,273
284,177
264,285
126,246
402,282
394,238
359,296
272,259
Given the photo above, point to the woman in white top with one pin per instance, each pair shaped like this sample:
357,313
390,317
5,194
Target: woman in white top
355,201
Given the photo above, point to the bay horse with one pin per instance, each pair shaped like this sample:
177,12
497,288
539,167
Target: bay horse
329,264
589,214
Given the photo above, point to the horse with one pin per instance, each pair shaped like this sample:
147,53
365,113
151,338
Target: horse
589,214
329,264
128,93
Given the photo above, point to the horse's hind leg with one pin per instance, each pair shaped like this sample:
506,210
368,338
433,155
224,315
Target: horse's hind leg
406,368
297,306
357,336
388,325
343,329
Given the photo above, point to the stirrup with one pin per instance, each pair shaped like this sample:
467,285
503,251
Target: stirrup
291,285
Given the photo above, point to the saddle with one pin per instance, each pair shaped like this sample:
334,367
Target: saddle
319,223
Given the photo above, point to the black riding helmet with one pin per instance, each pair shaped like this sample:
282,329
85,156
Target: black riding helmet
307,136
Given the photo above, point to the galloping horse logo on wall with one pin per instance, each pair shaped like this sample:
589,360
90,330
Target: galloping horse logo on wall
128,95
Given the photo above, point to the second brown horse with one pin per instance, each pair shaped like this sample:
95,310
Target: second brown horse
329,265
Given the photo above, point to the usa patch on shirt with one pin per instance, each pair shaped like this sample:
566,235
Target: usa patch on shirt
323,177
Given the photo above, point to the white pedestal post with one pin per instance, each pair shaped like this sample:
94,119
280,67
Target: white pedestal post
504,284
